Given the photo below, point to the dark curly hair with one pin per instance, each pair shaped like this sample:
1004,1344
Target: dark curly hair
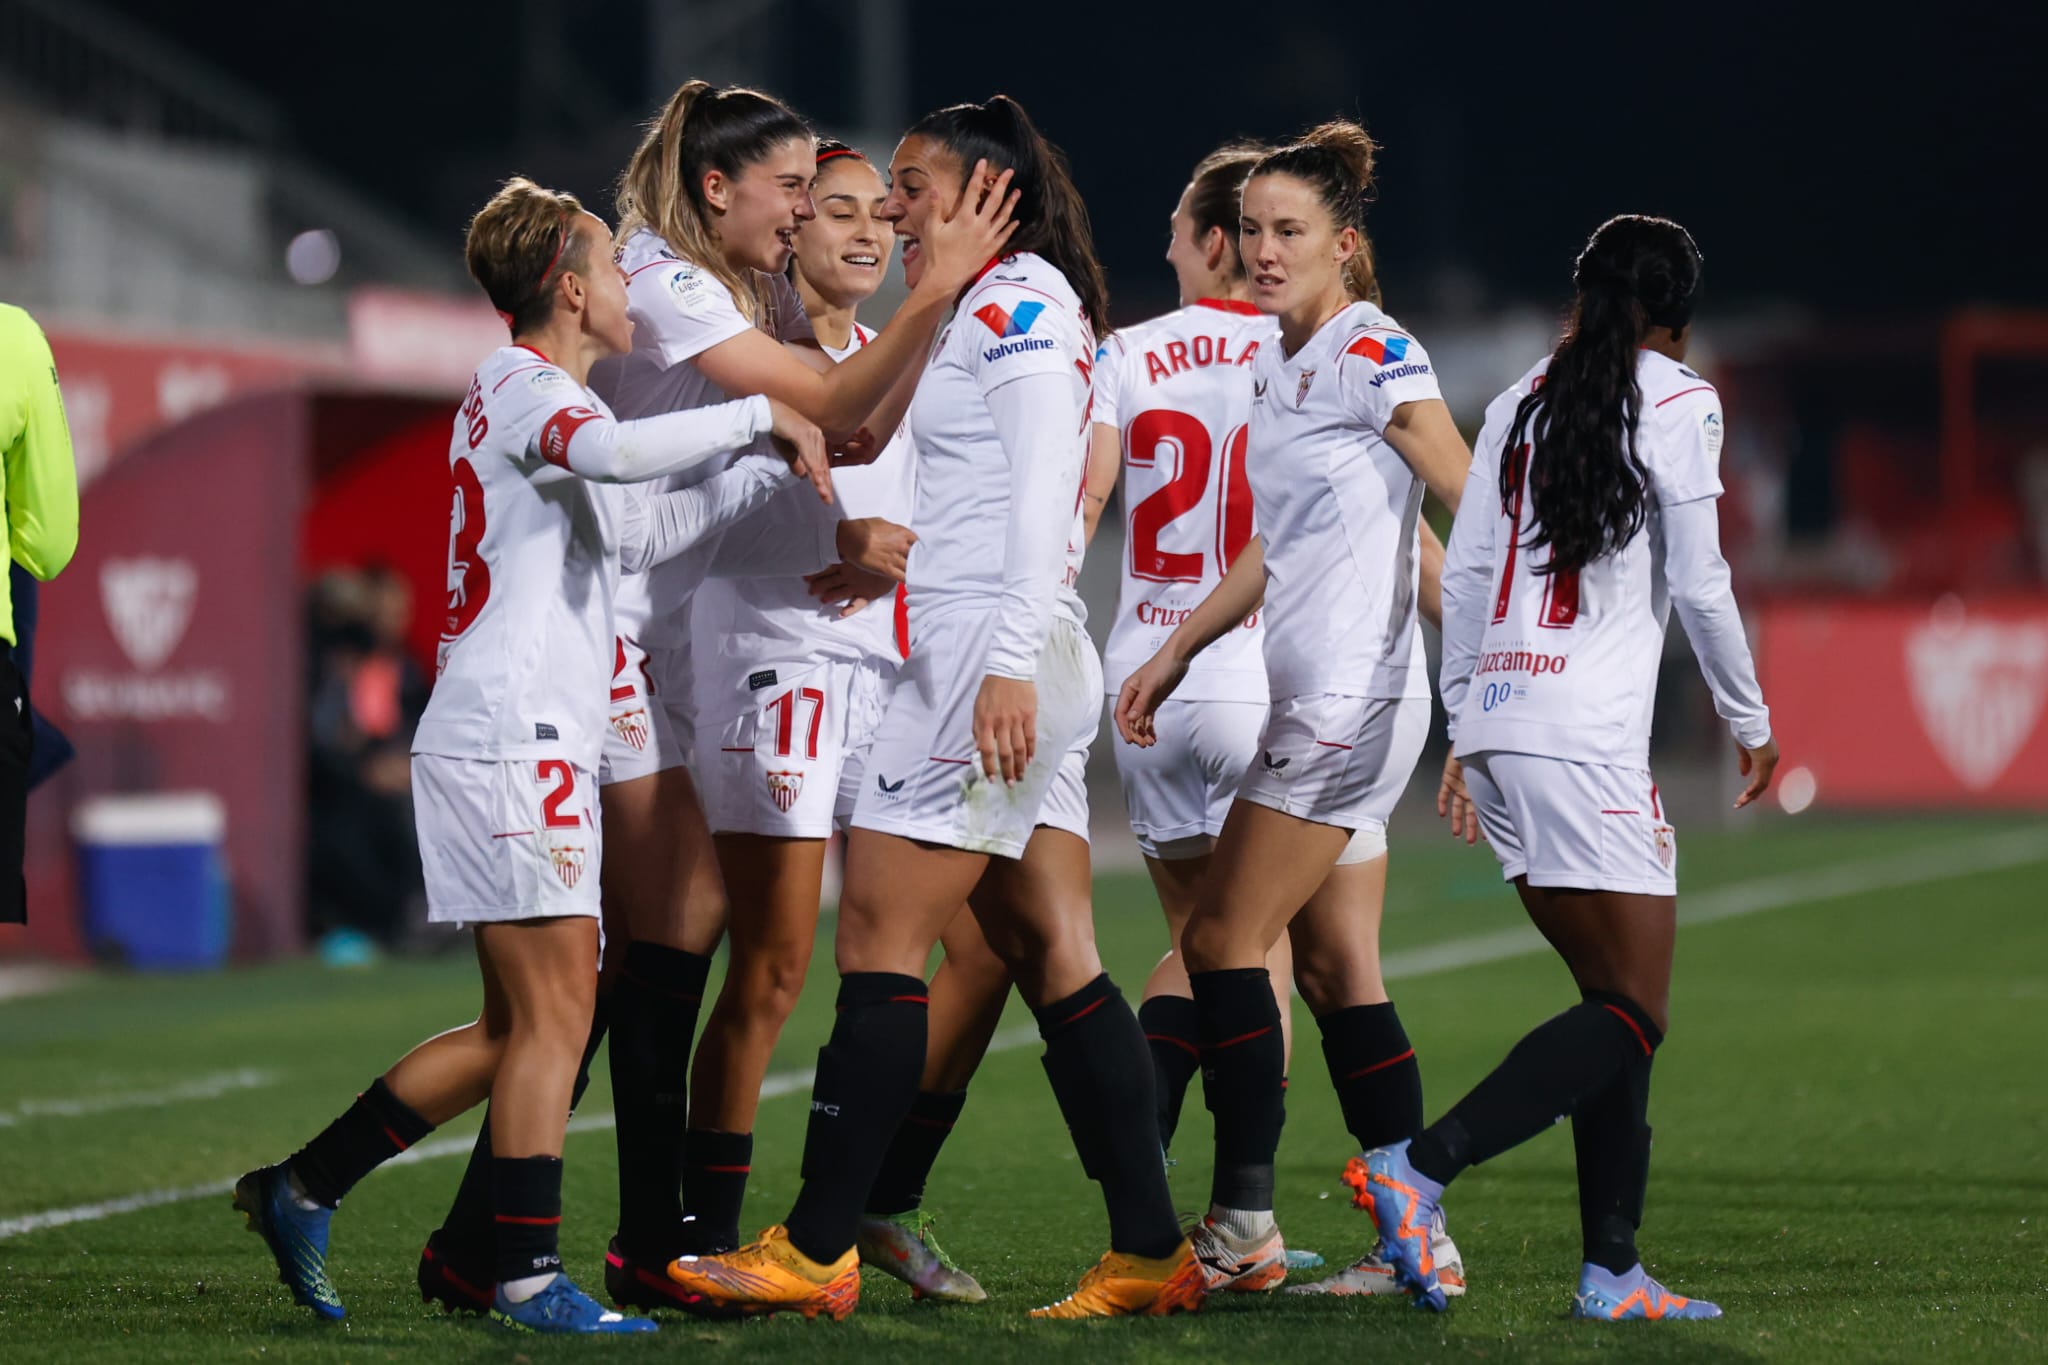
1573,441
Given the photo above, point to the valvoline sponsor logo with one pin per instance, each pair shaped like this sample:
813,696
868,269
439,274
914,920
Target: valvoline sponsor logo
1011,328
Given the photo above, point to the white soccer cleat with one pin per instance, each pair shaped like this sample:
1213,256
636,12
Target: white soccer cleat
1240,1266
1371,1275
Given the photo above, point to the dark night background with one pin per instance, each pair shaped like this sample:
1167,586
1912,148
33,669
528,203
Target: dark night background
1859,161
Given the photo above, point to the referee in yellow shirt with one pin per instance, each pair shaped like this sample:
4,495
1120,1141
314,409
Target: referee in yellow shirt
39,485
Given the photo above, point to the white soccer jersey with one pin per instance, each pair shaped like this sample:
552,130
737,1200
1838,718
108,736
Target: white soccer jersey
1339,509
526,646
1179,391
739,626
978,546
1565,665
679,311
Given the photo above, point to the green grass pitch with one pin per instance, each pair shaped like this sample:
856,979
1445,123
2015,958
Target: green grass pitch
1851,1118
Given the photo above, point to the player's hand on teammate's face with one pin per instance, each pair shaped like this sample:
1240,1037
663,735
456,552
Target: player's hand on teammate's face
849,588
1005,726
1757,765
1454,803
860,448
798,440
956,247
877,545
1138,699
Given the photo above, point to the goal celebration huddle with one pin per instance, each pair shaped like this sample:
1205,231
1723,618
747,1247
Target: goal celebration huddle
734,569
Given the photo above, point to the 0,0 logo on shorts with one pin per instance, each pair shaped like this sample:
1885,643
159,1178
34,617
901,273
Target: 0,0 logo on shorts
784,788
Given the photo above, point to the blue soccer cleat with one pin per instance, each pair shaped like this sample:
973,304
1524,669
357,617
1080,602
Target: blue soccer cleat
1607,1297
1403,1205
563,1309
297,1238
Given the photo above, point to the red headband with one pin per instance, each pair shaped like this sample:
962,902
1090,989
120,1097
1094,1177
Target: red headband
560,246
824,157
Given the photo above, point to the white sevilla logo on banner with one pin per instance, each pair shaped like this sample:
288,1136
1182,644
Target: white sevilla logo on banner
148,604
1979,688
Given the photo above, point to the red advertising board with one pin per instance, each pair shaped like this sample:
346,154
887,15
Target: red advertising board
1912,705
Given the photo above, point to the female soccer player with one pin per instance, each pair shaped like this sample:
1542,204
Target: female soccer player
1346,430
1591,508
710,206
1001,687
1173,399
504,757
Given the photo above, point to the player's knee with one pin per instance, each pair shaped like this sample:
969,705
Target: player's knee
771,984
1210,943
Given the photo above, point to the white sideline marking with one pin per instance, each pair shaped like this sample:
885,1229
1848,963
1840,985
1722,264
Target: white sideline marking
1915,867
205,1088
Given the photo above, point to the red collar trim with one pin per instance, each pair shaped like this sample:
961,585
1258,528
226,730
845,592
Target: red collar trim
993,262
522,346
1243,306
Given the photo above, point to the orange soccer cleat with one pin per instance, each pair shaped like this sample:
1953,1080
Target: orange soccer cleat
768,1275
1119,1286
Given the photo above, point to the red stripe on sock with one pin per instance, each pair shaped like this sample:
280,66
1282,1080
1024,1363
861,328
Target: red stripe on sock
1190,1048
1380,1066
1085,1011
1633,1027
525,1221
729,1170
1241,1038
396,1141
910,1000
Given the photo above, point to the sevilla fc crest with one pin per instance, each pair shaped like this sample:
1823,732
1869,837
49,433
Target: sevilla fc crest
1979,688
1308,377
632,727
568,865
784,788
1667,847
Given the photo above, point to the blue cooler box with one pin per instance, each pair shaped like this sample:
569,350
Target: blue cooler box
150,879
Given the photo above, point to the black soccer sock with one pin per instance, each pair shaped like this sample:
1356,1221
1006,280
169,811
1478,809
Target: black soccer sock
1243,1059
715,1170
1547,1076
899,1185
1611,1139
1101,1074
654,1013
467,1236
1174,1037
866,1080
526,1196
377,1127
1379,1083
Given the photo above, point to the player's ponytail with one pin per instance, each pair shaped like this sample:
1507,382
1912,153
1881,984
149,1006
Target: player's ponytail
1215,191
1586,487
1336,158
701,129
1051,217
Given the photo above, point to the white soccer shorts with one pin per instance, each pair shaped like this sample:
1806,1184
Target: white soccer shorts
1583,826
1340,761
507,840
640,739
1178,791
777,768
927,781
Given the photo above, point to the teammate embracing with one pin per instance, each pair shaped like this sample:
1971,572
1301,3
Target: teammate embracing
504,759
999,700
1590,512
1346,429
